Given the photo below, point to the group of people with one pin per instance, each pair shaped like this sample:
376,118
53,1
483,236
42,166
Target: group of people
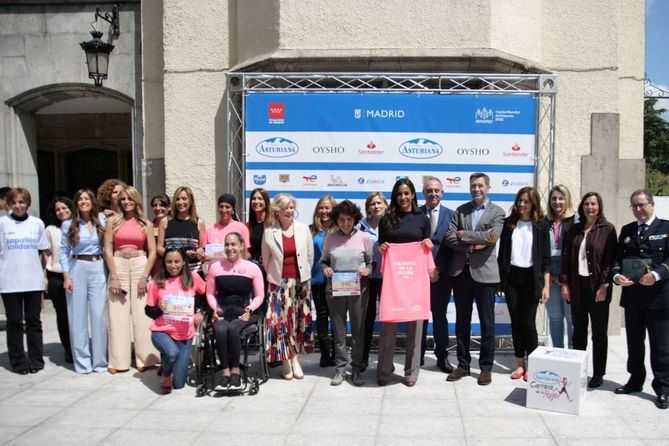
109,267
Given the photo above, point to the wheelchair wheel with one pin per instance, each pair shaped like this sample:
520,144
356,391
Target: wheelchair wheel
262,352
197,355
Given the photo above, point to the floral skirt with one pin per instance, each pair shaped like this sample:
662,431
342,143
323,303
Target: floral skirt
288,320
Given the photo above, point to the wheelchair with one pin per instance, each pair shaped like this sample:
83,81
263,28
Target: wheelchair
206,368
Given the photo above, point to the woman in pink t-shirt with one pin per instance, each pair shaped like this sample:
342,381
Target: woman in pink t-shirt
212,247
235,290
170,302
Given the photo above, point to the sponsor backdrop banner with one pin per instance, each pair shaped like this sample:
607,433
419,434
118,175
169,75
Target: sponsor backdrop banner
350,144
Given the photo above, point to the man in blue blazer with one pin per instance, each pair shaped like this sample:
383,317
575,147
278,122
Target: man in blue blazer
440,291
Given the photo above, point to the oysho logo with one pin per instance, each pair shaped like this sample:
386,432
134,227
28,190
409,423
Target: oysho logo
420,148
328,149
277,147
259,179
484,115
473,151
277,112
547,377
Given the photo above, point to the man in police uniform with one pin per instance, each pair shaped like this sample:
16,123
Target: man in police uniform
646,302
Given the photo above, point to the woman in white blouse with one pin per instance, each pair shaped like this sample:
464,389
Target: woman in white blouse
524,267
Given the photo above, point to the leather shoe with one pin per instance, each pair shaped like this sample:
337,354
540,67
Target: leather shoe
662,402
409,383
627,389
596,381
457,374
381,382
485,378
444,365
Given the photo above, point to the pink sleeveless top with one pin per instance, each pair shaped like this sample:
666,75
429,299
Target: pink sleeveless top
130,235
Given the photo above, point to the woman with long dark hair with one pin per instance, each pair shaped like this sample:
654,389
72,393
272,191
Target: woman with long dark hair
81,258
524,269
587,258
260,218
60,210
403,223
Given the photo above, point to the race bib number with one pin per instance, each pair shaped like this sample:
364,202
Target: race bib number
345,284
179,309
215,250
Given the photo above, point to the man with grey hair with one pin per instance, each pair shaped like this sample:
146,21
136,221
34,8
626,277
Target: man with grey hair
642,269
440,291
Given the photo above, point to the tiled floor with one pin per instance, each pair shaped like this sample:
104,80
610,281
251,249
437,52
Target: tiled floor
56,406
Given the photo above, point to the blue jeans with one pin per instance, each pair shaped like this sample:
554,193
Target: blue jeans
174,355
559,310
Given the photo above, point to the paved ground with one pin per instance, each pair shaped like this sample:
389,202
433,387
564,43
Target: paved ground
57,406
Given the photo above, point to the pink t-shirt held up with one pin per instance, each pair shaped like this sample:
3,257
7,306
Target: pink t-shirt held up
178,324
405,293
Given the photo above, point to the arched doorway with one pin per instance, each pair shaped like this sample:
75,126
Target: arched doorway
78,135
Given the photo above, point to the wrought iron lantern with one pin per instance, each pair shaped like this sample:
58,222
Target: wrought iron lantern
98,51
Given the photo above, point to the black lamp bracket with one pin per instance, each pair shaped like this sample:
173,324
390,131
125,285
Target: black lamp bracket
112,18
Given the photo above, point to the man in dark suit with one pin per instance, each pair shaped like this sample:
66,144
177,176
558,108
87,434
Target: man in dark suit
440,291
473,234
646,300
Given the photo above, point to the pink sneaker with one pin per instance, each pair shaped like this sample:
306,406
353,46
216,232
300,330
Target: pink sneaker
518,373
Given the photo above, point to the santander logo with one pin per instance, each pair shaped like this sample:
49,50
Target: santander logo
371,145
515,148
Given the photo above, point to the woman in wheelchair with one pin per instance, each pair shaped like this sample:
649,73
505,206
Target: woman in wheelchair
170,302
230,284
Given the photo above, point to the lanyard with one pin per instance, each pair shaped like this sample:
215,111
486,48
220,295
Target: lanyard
556,232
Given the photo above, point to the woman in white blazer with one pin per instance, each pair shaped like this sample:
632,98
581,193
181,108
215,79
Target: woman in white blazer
287,254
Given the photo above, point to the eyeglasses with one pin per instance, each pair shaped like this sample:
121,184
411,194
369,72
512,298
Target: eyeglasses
639,206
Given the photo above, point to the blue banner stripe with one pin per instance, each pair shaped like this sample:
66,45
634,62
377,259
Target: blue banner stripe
391,112
393,167
362,195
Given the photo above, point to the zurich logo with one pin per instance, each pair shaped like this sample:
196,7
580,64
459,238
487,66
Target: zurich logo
260,179
420,148
547,377
505,183
361,180
277,147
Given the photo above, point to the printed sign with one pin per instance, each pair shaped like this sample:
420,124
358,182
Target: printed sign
179,309
345,284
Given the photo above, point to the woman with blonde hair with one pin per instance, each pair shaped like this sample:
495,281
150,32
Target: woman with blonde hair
183,228
130,251
322,225
288,253
560,218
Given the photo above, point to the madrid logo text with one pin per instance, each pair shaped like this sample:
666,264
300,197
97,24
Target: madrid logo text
277,147
259,179
378,113
420,148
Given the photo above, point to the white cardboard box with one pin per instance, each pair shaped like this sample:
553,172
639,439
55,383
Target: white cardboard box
557,379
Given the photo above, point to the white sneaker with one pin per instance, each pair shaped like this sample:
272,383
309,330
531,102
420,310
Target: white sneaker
297,369
286,370
338,378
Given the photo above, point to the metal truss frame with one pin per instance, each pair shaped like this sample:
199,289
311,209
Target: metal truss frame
542,86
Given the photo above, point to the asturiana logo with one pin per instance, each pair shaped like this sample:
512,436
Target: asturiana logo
547,377
277,147
259,179
420,148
